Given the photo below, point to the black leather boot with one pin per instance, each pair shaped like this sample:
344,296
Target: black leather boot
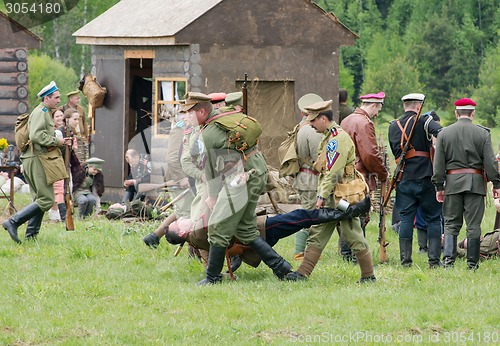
333,214
62,211
434,252
405,251
152,240
450,250
271,258
216,257
422,240
473,246
34,225
19,218
345,251
235,263
361,208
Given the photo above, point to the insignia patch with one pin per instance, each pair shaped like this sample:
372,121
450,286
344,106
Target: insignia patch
180,123
334,131
44,109
331,153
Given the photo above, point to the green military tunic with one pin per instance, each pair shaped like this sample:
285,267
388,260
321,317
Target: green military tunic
464,145
234,211
335,162
42,136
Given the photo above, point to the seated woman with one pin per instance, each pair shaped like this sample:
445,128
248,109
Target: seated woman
139,172
86,178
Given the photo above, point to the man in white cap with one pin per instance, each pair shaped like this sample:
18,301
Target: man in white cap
306,181
463,154
43,138
414,188
369,161
335,163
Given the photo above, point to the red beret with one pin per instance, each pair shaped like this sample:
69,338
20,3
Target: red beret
465,103
373,97
217,97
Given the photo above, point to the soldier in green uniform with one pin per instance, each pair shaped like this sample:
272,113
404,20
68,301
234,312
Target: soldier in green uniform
234,101
43,139
306,181
335,163
463,154
232,207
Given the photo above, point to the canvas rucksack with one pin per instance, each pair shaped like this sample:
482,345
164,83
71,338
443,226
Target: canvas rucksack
287,154
22,133
244,131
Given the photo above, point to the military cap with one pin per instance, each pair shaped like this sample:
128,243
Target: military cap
465,103
413,97
307,100
47,90
192,98
74,92
316,108
95,162
217,97
373,98
233,99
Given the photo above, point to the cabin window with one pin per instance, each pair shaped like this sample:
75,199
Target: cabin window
168,93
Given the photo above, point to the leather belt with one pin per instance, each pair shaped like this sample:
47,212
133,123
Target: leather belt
464,171
310,171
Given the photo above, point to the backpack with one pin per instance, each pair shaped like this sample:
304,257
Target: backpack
244,131
287,154
22,132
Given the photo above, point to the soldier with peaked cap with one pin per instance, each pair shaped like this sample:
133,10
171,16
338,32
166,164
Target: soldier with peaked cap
306,181
369,161
217,99
82,129
335,163
414,188
463,155
233,207
43,139
234,101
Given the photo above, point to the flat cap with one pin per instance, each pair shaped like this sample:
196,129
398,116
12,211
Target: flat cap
217,97
465,103
192,98
74,92
373,98
413,97
233,99
318,107
47,90
307,100
95,162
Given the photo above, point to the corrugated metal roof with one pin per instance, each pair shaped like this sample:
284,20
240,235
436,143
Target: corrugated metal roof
146,18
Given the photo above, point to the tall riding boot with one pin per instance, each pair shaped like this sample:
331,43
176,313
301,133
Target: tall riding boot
366,265
422,240
19,218
450,250
62,210
473,246
405,251
332,214
271,258
434,252
311,257
34,225
216,257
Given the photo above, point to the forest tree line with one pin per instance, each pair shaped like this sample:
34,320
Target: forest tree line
445,49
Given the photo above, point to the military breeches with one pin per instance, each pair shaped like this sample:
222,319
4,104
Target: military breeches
234,213
41,192
412,195
466,205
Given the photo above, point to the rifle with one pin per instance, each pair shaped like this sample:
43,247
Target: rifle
175,200
381,226
70,226
401,163
244,89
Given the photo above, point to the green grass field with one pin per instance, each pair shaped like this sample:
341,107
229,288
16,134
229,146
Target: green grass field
100,285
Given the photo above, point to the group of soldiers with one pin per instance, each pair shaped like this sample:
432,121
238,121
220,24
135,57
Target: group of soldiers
217,217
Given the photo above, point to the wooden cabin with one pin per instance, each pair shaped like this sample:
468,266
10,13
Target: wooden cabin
149,53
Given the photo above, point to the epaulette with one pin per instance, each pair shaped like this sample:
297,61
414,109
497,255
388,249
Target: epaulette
486,128
334,131
44,109
188,131
393,120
